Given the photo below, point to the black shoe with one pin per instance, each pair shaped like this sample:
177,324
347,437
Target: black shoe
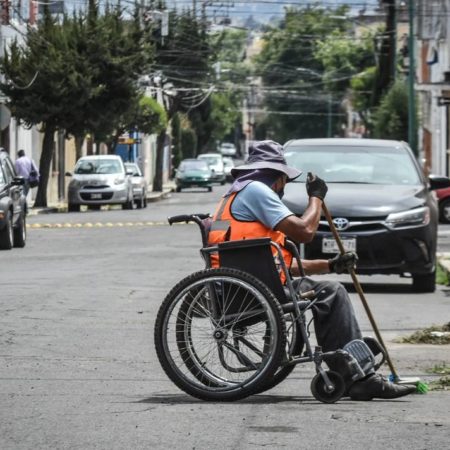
376,386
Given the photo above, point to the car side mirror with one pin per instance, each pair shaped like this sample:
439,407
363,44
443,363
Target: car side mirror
18,181
130,172
438,182
68,174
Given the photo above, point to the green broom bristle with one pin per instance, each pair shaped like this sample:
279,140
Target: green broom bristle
422,388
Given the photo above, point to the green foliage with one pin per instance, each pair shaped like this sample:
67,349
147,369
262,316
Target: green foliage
342,58
188,143
391,118
80,76
292,73
151,117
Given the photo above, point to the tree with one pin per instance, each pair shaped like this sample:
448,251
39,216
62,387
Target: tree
183,58
83,74
391,118
176,140
42,64
292,75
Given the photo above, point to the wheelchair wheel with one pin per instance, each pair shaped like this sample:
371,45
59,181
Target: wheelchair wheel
294,347
322,393
220,334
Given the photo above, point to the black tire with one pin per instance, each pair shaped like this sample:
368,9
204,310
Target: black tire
294,346
424,283
178,189
220,334
129,204
6,234
320,391
145,201
20,231
95,207
444,211
209,188
71,207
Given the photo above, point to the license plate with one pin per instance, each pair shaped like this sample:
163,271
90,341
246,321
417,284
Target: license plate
329,245
96,196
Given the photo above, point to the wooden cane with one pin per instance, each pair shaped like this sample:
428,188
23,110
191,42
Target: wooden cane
359,290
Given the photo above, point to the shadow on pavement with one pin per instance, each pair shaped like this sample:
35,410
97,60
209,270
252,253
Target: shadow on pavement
377,288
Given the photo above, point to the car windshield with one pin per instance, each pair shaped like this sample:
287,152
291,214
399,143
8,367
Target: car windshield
98,166
366,165
133,168
194,165
210,159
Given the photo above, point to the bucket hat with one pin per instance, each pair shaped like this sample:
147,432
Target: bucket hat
266,155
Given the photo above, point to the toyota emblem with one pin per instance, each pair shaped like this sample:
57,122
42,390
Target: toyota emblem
341,223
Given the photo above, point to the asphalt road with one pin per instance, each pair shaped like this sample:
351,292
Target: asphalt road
78,368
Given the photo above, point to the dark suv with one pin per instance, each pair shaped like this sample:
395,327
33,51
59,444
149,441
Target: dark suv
380,200
13,206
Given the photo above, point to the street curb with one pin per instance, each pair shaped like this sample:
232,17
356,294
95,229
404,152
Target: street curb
152,197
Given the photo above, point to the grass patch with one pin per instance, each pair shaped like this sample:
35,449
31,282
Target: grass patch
439,335
443,384
441,276
440,369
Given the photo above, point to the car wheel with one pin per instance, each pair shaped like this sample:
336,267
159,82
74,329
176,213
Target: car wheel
145,201
424,283
209,188
94,207
444,211
178,189
222,182
129,204
20,231
6,235
73,208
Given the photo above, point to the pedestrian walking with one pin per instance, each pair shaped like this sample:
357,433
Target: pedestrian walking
26,168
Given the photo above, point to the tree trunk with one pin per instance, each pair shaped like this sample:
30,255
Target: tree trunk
78,146
157,180
45,164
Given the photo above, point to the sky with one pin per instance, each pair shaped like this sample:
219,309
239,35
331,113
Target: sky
264,9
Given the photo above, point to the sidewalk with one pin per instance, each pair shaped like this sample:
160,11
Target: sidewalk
152,196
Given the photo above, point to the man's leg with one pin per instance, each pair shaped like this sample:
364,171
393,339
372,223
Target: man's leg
334,318
336,325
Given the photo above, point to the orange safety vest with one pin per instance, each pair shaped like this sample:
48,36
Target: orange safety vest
225,227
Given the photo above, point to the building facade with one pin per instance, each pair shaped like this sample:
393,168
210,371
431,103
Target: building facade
433,83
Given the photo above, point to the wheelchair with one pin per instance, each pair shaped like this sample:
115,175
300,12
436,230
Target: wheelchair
222,334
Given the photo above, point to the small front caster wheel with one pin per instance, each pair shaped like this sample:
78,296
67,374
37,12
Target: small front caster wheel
320,390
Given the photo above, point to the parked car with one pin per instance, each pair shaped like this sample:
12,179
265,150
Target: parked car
228,164
13,206
227,149
193,173
215,161
100,180
139,184
380,201
443,196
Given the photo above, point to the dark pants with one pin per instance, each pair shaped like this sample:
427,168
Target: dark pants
334,318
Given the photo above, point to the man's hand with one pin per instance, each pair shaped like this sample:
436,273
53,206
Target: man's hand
343,263
315,186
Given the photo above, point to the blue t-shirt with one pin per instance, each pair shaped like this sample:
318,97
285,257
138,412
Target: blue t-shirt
257,202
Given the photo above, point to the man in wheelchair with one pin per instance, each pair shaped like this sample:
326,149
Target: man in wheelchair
252,208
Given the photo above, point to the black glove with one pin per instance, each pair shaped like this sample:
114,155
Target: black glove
343,263
315,186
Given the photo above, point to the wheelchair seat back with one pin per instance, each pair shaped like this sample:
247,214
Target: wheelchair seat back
255,257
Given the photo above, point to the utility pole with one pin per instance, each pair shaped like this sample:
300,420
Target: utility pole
412,131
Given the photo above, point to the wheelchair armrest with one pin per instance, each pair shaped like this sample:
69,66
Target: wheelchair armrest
294,250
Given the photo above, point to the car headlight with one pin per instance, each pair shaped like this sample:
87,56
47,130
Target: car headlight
413,218
119,181
74,184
